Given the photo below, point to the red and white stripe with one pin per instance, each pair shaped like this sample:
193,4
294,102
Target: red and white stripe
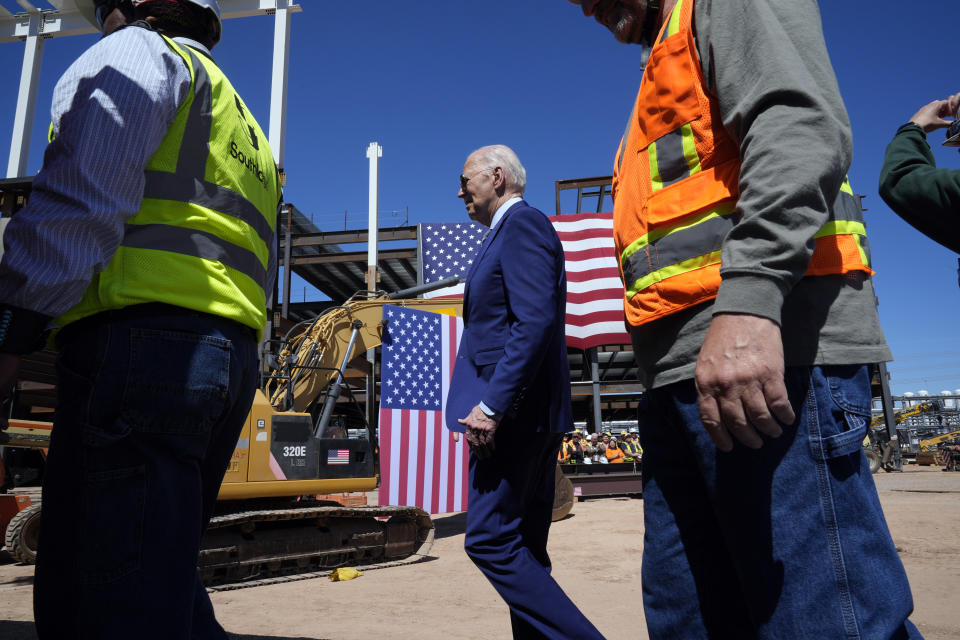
420,464
594,289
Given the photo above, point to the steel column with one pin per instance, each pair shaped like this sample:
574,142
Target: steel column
278,83
595,378
27,97
374,153
891,451
287,267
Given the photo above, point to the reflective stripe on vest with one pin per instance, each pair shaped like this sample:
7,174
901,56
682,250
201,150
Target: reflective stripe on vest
188,184
687,245
673,158
676,178
196,244
203,238
693,243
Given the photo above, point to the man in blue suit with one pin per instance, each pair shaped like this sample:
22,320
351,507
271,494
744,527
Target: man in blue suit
510,393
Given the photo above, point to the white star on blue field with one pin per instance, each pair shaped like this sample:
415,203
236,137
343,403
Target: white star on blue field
411,360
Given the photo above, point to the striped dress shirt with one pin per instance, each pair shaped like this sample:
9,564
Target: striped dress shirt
110,112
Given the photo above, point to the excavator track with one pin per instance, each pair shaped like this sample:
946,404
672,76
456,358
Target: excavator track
275,545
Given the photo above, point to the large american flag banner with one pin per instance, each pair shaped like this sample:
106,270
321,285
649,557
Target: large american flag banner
594,290
448,249
420,464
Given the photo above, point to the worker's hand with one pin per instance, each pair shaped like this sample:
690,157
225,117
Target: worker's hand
740,383
931,116
9,367
953,105
481,429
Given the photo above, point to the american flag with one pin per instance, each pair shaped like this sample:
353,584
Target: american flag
594,290
420,464
338,456
448,249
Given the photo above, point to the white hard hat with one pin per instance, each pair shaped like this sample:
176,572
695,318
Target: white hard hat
88,9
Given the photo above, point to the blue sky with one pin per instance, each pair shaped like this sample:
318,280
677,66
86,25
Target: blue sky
432,84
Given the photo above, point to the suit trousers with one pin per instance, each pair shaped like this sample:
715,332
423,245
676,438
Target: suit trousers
508,520
150,402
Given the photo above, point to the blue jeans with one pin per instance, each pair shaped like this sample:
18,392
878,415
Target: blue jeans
788,541
150,402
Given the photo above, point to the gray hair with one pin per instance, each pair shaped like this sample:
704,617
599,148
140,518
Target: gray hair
498,155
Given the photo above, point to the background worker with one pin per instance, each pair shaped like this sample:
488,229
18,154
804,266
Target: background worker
563,455
594,448
752,315
151,247
912,185
630,448
612,450
576,449
510,389
589,448
600,449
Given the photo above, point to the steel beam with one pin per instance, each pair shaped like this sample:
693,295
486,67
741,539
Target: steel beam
357,236
278,83
287,259
246,8
374,153
33,26
66,21
595,378
394,276
27,96
353,257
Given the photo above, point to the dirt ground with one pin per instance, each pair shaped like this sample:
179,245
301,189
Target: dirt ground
596,553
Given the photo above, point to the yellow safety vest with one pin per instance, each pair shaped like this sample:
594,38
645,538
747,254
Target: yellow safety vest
204,234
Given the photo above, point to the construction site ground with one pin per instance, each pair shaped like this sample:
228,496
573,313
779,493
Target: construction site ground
596,553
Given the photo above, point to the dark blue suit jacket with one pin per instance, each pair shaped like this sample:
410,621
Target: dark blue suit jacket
513,353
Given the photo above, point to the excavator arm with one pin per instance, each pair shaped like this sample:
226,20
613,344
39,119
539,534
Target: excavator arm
930,444
316,353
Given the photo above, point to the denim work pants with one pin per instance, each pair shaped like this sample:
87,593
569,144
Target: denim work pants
788,541
149,409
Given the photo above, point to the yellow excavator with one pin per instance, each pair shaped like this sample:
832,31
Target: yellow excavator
871,442
931,450
908,412
270,520
932,444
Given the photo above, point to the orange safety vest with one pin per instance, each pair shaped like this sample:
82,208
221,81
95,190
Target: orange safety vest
675,188
575,450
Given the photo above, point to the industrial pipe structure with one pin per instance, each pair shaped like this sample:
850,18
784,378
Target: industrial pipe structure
35,25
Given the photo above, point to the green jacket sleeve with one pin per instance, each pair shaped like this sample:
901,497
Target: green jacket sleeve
920,193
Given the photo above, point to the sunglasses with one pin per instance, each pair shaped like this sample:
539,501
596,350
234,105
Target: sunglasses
464,179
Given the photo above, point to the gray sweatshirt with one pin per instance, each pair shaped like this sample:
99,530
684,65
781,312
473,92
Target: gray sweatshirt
767,63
